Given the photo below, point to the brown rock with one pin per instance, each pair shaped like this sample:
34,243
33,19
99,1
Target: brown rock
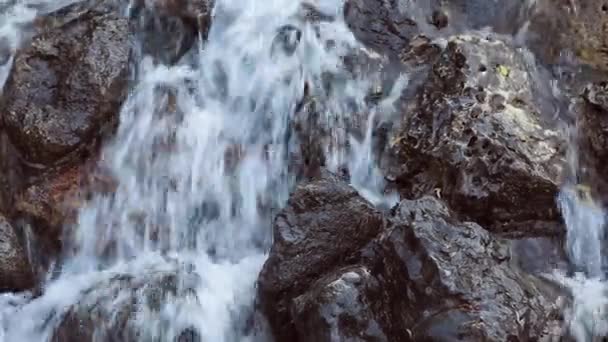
67,85
52,201
16,273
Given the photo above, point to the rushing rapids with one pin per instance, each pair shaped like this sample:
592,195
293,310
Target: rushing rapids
214,137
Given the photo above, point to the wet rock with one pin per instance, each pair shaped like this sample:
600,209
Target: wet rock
417,275
457,279
593,139
539,255
341,306
504,17
478,135
15,269
380,25
587,22
439,19
66,87
114,310
52,200
12,175
167,29
315,233
574,26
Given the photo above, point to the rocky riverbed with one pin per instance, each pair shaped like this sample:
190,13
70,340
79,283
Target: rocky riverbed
367,171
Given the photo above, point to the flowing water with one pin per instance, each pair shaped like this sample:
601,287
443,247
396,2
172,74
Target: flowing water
201,158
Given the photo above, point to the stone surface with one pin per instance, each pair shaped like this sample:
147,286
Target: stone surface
480,135
315,233
415,275
592,134
167,29
15,270
52,200
12,177
67,84
457,279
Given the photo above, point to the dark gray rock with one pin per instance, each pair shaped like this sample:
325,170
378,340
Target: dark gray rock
67,85
480,135
324,224
341,307
457,279
339,272
15,270
167,29
592,136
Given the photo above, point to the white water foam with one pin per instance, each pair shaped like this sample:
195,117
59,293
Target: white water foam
586,318
180,199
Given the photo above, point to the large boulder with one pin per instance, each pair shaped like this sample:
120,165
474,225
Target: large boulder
316,232
16,273
480,133
67,84
458,282
340,271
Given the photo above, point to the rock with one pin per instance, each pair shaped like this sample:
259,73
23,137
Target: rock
593,139
314,234
418,275
341,307
51,201
587,27
66,87
114,310
12,175
503,17
539,255
458,280
379,26
15,270
167,29
574,26
479,135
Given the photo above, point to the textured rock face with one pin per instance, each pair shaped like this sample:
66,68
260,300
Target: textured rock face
15,270
67,85
52,200
417,275
314,234
458,281
167,29
478,134
593,139
11,174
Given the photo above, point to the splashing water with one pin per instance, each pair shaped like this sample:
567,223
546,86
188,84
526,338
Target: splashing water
201,159
585,223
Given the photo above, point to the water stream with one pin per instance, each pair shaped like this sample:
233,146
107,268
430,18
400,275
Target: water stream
201,158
